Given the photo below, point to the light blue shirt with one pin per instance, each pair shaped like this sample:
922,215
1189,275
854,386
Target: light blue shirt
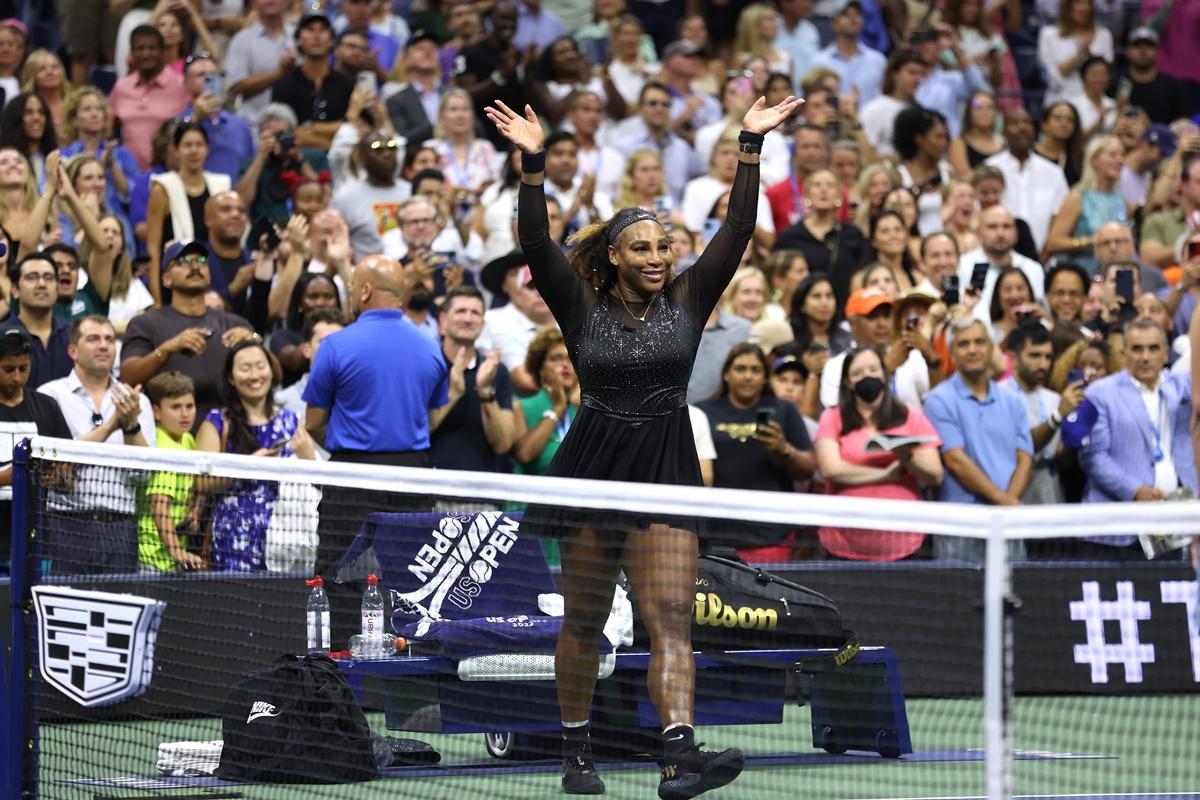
991,432
946,91
680,162
801,44
230,142
540,29
378,396
864,71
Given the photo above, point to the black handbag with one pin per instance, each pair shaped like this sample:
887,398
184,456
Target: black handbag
296,721
740,607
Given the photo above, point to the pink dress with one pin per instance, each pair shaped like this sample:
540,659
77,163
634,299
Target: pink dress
872,545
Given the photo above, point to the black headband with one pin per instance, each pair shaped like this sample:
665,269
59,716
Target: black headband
626,217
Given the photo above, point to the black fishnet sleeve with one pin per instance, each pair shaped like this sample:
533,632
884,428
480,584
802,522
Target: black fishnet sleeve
701,286
565,292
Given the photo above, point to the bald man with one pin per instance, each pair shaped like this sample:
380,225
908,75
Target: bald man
1114,242
997,238
369,394
228,262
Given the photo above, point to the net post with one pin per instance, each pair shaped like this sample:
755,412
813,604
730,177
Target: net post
997,588
17,710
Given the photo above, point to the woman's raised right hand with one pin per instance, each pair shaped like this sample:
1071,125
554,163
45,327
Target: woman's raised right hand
525,133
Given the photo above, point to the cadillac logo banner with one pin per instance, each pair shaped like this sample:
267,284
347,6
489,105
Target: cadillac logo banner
97,648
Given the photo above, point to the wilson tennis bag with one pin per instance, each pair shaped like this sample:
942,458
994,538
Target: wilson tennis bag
740,607
296,721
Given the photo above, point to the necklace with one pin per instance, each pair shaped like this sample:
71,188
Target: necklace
642,318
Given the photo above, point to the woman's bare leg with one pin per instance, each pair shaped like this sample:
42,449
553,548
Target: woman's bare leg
661,564
591,562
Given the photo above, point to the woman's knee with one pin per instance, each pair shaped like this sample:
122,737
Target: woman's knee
669,617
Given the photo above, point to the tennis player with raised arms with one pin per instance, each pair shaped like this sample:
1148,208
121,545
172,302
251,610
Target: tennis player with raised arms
632,328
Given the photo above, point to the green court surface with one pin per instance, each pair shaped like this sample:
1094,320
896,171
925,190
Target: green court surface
1145,744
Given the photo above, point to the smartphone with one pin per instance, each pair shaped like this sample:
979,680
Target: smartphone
763,417
979,275
950,290
212,83
1124,282
1193,251
1074,376
1124,90
912,322
367,82
263,227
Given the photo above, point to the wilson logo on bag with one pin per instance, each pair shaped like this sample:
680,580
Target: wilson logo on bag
711,611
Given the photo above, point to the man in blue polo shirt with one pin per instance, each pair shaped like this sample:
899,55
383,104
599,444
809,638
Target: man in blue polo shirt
369,394
373,383
986,444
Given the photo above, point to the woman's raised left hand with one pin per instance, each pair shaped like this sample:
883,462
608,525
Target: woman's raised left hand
760,119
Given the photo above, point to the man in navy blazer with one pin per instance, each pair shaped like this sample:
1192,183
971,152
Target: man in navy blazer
1140,447
414,109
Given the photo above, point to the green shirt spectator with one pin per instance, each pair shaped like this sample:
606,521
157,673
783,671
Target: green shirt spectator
176,486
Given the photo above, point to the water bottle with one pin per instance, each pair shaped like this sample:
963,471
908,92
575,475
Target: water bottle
372,617
318,617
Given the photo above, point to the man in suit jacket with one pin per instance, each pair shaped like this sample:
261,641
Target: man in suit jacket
414,109
1140,447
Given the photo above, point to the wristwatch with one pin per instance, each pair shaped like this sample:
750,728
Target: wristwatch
551,415
486,396
134,431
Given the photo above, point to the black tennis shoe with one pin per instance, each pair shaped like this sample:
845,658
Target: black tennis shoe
579,774
694,772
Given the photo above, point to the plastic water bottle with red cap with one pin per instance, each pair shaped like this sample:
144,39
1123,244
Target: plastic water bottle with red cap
372,618
318,617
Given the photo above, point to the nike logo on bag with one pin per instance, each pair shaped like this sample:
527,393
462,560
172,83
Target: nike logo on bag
261,709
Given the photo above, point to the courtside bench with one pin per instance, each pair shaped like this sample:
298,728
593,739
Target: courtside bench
511,697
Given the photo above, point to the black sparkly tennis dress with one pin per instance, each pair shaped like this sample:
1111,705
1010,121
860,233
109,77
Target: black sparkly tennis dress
633,422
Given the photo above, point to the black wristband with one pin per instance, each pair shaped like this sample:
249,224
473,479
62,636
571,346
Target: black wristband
135,430
750,142
533,163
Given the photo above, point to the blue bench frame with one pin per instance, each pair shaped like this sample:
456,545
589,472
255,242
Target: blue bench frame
859,706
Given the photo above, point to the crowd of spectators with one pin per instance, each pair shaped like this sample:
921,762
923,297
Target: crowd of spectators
285,229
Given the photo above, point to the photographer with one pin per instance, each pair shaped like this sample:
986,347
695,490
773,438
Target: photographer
261,186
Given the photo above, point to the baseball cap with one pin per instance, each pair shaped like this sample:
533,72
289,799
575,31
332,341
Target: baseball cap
309,19
420,35
852,5
1077,426
177,249
1143,33
1161,137
864,301
15,342
680,47
784,363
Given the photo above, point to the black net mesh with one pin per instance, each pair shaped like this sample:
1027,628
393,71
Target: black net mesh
158,592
